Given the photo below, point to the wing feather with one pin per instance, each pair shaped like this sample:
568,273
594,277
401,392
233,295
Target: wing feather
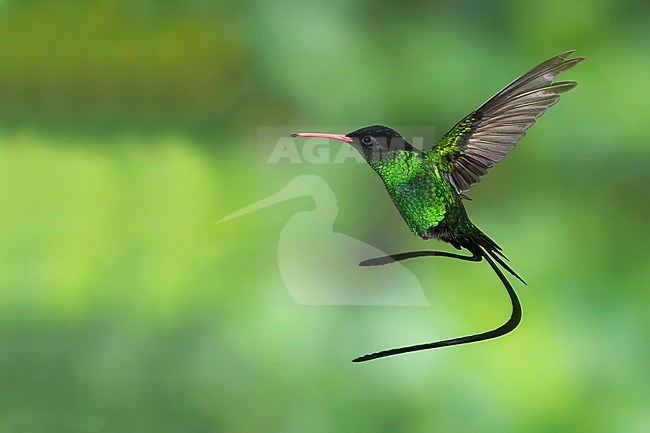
486,135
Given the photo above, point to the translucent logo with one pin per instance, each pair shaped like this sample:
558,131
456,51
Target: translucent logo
321,267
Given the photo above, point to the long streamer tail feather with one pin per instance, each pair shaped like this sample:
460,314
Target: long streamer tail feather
485,248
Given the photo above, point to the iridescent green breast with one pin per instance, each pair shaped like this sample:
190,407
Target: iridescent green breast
421,195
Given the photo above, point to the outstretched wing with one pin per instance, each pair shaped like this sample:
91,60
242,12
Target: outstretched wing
484,136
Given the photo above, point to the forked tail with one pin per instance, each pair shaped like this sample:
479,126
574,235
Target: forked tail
482,247
481,244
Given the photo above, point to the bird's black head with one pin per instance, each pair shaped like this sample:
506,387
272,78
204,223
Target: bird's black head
375,143
378,141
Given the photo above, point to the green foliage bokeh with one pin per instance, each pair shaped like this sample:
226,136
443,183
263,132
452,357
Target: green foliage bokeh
127,128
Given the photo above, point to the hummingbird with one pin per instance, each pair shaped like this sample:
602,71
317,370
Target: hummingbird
428,186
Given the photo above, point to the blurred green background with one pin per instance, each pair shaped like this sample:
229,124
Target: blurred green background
127,128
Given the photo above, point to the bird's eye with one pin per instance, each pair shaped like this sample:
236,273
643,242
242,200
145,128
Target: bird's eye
366,140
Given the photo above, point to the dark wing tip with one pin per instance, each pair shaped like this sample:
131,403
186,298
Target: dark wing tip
566,53
570,62
569,53
563,86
